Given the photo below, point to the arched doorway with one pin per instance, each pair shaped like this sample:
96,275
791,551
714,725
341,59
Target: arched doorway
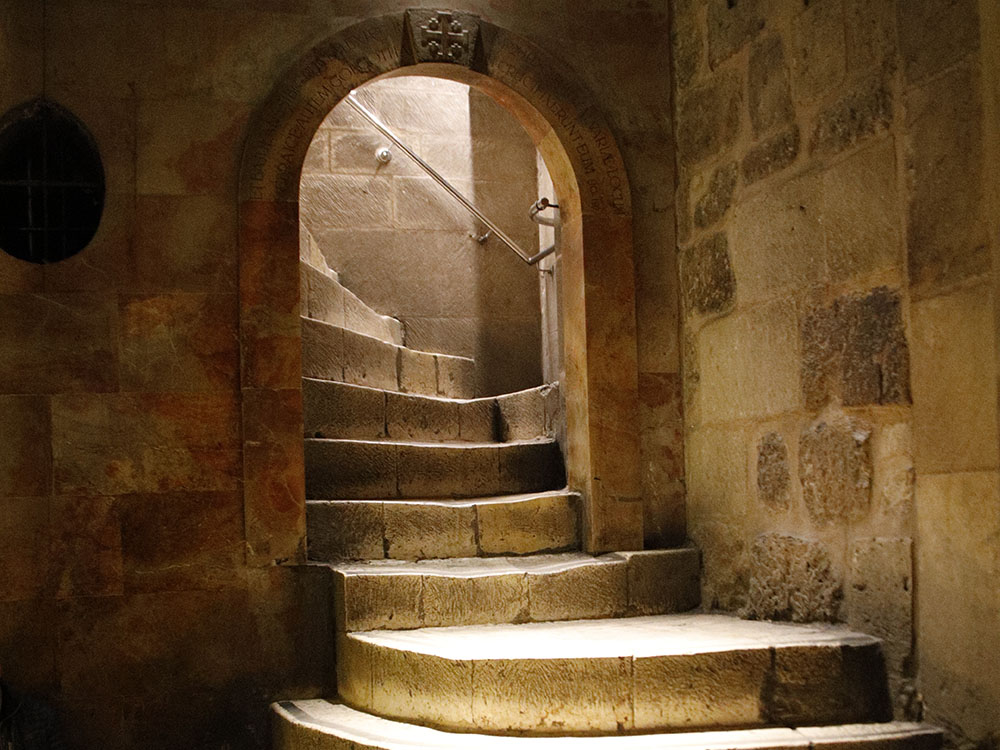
597,271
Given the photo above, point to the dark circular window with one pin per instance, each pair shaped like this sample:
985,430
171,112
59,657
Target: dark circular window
51,183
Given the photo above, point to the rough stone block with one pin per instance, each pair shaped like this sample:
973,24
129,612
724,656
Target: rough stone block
477,420
769,95
713,205
819,54
663,581
579,592
862,113
414,531
524,526
686,41
361,318
369,361
340,469
26,449
417,372
322,350
346,201
448,471
456,376
792,579
339,410
934,34
349,530
771,155
871,34
375,602
773,473
731,25
522,415
531,467
856,350
879,596
708,118
324,297
474,600
835,469
421,419
707,277
24,555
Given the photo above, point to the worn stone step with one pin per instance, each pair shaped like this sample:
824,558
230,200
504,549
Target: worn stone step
643,674
381,470
395,595
332,725
332,352
324,298
419,529
341,410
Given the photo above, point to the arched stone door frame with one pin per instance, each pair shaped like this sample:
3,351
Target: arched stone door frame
596,284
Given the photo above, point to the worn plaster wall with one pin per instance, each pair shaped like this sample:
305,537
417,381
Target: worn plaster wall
129,595
839,327
408,248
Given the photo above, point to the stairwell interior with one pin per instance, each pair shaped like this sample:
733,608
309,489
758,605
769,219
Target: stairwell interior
467,614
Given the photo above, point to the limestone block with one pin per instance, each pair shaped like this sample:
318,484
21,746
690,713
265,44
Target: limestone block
731,25
531,467
456,376
579,592
324,296
771,155
708,117
477,420
369,361
421,419
361,318
369,602
835,469
26,449
349,469
522,415
417,372
946,237
339,410
863,112
769,95
354,671
792,579
773,474
663,581
720,688
879,596
839,683
322,350
345,530
24,524
448,470
687,42
524,526
420,530
345,201
421,204
590,695
954,356
472,600
856,350
713,205
819,55
707,277
871,34
934,34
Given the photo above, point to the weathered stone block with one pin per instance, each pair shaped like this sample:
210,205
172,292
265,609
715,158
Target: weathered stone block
477,420
26,450
707,278
414,531
531,467
448,471
474,600
856,350
339,410
769,96
773,475
370,602
86,547
543,523
686,42
818,49
713,205
708,118
731,24
792,579
879,596
348,530
369,361
417,372
933,34
346,201
835,469
522,415
421,419
663,581
580,591
338,469
24,555
322,350
323,296
456,376
864,112
871,34
771,155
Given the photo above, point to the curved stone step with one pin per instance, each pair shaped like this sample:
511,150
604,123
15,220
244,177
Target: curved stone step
324,298
379,470
394,595
419,529
341,410
331,725
657,673
331,352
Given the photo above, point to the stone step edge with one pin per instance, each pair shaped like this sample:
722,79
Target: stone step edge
317,719
436,398
455,357
451,444
459,502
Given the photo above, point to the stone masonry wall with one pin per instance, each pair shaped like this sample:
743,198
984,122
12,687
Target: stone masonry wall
129,596
408,248
839,330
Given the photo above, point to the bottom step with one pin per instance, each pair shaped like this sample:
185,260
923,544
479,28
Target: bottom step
326,725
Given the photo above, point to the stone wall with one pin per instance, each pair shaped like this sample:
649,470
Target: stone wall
839,327
409,249
131,594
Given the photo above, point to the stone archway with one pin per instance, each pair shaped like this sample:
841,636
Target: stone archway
597,270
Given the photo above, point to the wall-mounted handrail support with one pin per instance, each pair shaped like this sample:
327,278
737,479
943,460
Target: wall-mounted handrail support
381,127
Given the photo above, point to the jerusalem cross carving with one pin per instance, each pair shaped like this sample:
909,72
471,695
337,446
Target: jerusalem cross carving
443,35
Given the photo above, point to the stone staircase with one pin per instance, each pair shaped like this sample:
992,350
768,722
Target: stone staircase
465,614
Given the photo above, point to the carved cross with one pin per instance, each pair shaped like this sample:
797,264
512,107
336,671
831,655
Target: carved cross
444,37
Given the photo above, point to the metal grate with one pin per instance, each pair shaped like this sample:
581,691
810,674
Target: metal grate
51,183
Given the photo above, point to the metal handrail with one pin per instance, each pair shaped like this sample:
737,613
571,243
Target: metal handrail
455,193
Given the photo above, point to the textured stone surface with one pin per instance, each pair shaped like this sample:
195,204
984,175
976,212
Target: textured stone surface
322,350
707,276
578,592
349,469
414,531
771,155
713,205
339,410
731,25
818,49
419,419
502,597
456,377
709,118
792,579
863,112
662,581
934,34
773,473
367,603
547,522
522,415
417,372
835,469
323,297
369,361
26,453
856,350
345,530
769,96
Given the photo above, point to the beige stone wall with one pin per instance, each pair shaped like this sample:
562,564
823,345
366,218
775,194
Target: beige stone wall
839,328
408,248
139,590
